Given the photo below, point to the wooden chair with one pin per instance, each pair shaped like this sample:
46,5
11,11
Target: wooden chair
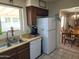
70,40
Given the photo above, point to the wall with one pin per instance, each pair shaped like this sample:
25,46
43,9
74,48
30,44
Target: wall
54,8
34,3
62,4
15,2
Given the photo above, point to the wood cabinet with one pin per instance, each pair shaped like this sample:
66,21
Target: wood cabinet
11,54
42,12
21,52
33,13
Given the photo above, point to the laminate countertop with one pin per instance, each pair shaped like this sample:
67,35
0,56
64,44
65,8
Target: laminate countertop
26,38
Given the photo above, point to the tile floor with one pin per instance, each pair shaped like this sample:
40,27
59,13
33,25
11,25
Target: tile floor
73,48
61,54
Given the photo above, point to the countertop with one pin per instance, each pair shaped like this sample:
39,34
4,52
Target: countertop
26,39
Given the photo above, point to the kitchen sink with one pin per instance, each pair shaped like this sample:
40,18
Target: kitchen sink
6,44
3,46
16,42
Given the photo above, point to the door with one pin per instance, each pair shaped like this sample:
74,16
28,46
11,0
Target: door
23,54
51,23
51,40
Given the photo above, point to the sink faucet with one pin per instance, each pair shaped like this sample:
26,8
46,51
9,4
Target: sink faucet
13,39
8,41
7,34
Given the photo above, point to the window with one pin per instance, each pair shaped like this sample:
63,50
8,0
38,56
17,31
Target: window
10,17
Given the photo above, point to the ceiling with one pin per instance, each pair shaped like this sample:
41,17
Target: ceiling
49,0
74,9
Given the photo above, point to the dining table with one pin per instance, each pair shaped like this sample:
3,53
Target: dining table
69,34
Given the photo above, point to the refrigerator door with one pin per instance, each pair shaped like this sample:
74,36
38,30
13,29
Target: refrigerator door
42,23
51,23
51,41
46,23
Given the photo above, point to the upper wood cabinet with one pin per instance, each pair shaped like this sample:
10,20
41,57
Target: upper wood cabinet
33,12
42,12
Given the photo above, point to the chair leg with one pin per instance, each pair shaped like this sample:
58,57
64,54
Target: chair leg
65,41
71,43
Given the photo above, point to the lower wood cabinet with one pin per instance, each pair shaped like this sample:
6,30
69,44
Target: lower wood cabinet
21,52
12,56
27,51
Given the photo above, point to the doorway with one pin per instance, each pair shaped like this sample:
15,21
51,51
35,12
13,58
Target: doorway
70,28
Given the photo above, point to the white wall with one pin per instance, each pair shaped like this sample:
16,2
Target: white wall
54,8
15,2
34,3
61,4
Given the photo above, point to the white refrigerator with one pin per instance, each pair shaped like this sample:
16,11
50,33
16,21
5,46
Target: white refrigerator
47,29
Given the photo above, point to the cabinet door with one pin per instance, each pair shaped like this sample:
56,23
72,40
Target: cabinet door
23,54
33,13
20,52
42,12
35,48
11,54
31,16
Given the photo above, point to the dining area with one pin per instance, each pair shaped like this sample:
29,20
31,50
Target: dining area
69,29
70,32
71,38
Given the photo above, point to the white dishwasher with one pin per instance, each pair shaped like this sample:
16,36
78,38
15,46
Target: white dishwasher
35,48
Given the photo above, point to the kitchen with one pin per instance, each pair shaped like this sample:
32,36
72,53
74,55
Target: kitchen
19,37
35,12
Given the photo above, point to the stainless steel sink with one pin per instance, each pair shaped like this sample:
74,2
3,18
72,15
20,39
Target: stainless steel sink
3,46
6,44
16,42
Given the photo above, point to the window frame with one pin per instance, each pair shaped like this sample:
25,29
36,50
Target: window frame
21,15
